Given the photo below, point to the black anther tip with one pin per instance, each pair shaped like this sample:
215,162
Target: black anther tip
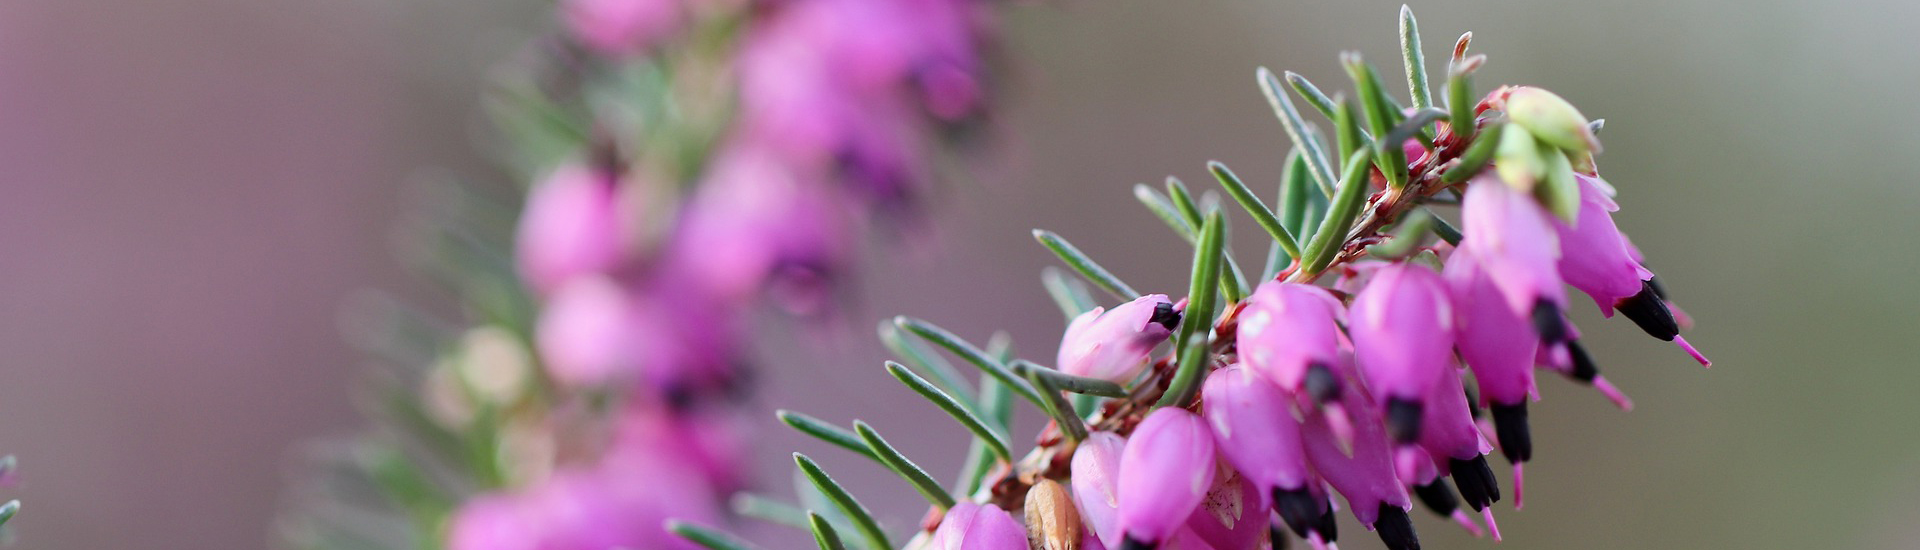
1650,312
1510,424
1476,482
1164,315
1396,529
1130,543
1403,420
1584,369
1321,383
1298,508
1438,496
1548,322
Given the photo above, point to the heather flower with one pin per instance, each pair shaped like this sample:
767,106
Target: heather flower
1255,431
1510,236
1602,263
1290,333
1348,445
571,228
622,27
1165,472
1304,390
1095,470
1402,329
970,526
1113,345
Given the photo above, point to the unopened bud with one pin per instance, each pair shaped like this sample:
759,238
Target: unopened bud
1551,118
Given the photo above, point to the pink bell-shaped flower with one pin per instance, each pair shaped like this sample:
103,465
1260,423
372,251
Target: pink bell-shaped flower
585,333
1255,431
1600,261
1233,516
1512,237
1290,333
970,526
1096,485
1114,345
1165,472
1497,344
571,228
1348,446
1402,328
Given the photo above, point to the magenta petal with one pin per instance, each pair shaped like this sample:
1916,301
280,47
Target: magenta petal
1595,255
1096,483
1114,344
969,526
571,228
1287,327
1402,328
1233,516
584,333
1512,236
1367,476
1495,342
1254,429
1165,472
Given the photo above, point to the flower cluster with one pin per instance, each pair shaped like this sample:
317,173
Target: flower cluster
1276,396
689,160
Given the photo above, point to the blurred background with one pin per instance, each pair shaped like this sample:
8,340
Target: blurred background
195,188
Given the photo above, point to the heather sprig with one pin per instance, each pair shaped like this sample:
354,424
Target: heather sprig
1384,351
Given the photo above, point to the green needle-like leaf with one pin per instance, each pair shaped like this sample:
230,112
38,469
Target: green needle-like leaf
907,470
1068,382
995,442
1346,125
826,431
1413,125
1067,293
1163,208
1416,60
1088,268
823,533
1445,230
1460,98
1059,409
1407,235
917,355
8,510
706,537
987,363
1261,214
1478,155
1312,94
1294,198
862,520
1332,234
1182,201
1197,321
759,507
1302,133
1381,116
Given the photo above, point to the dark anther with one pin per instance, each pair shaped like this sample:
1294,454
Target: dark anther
1659,290
1475,479
1164,314
1328,529
1548,322
1278,536
1650,312
1438,496
1298,508
1584,368
1321,383
1130,543
1510,424
1403,420
1396,529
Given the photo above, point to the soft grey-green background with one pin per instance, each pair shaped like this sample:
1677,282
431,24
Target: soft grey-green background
193,188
